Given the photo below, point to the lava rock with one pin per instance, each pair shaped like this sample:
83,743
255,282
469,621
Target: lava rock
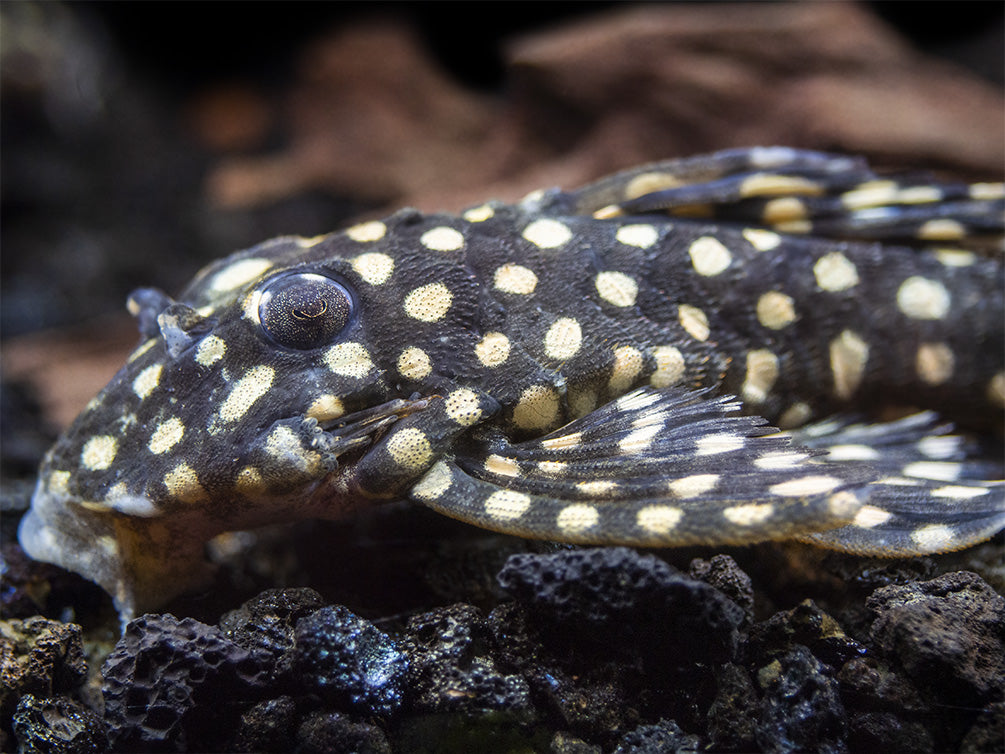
801,709
268,726
265,624
870,686
732,715
664,737
172,685
887,732
325,732
38,656
346,659
451,668
804,624
57,725
948,634
563,743
618,598
722,572
986,733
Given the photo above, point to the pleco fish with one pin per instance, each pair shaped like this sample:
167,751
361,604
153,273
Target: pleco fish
603,366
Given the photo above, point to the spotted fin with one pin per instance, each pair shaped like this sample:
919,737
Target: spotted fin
655,467
802,192
935,491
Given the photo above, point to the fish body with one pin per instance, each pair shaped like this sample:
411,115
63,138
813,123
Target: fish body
604,366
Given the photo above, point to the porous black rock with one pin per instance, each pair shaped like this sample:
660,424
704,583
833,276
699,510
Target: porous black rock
175,685
732,716
664,737
452,668
804,624
38,656
722,572
57,725
948,634
324,732
268,726
265,624
347,660
801,708
618,598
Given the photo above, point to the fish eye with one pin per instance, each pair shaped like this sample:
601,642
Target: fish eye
304,310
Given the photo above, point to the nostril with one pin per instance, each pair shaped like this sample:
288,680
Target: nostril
146,304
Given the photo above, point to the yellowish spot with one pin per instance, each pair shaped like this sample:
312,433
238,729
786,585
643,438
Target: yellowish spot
507,504
147,380
852,452
502,466
642,236
367,232
987,191
694,321
923,298
166,436
804,486
553,468
959,492
709,257
658,519
934,363
870,194
795,415
428,303
848,356
414,364
933,538
210,350
462,405
775,310
349,360
996,389
669,366
183,484
537,408
249,481
955,257
434,484
784,211
547,234
647,183
762,372
562,442
237,274
515,278
375,268
772,184
59,483
253,385
410,448
563,339
760,239
628,364
751,514
479,214
942,229
442,239
598,488
694,485
722,442
835,272
780,459
493,349
577,517
617,288
326,407
869,516
141,349
639,439
99,452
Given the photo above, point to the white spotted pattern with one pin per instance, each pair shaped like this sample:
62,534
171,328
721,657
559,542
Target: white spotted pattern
442,239
709,257
547,234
